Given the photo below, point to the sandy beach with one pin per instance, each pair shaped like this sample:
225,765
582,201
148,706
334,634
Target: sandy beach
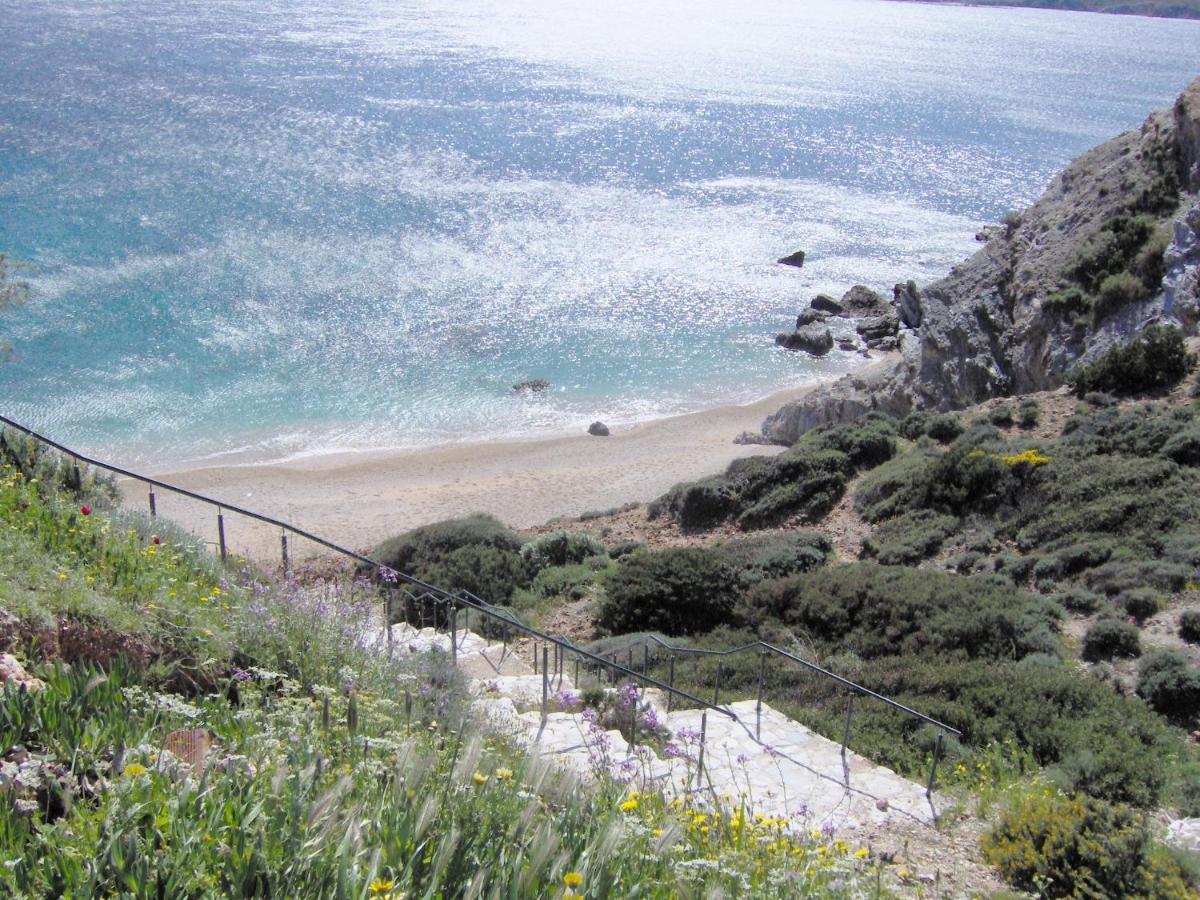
358,499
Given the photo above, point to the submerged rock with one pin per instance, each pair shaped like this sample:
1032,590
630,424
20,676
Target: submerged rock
810,317
793,259
598,429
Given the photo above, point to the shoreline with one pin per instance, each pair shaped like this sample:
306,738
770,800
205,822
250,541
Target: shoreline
359,498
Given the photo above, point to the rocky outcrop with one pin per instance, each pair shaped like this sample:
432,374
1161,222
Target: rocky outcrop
810,317
826,304
875,329
996,325
793,259
860,300
814,339
12,673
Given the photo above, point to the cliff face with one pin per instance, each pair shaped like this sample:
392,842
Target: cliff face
1082,269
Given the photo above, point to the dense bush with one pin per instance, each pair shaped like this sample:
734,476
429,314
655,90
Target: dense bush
1056,846
677,591
1110,638
895,487
1184,447
476,553
1155,359
1080,601
810,499
909,538
1140,603
1170,685
1143,430
1001,415
1128,574
1189,626
873,610
561,548
762,557
943,428
1028,413
867,444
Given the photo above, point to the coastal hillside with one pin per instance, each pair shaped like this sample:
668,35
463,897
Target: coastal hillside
1112,246
1167,9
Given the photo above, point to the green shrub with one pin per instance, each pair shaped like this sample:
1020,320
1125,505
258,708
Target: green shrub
1140,431
762,557
624,548
54,472
1184,447
1111,638
1170,685
561,548
867,444
1116,291
1058,846
968,479
569,582
678,591
943,428
1140,603
1125,574
874,610
1001,415
1080,601
476,553
1155,359
913,425
810,499
1028,413
1189,626
909,538
895,487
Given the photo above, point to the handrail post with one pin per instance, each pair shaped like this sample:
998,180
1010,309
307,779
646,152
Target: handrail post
545,682
221,532
388,600
645,656
576,681
937,751
762,673
535,650
454,635
846,739
670,684
153,506
717,684
283,546
700,757
633,706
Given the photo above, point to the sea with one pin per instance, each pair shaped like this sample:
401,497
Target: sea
260,230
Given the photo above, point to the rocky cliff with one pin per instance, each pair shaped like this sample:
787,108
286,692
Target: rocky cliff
1112,246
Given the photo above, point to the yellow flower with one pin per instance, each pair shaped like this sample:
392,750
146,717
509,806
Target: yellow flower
151,606
1029,457
573,879
380,886
62,576
504,774
657,832
862,853
629,805
134,769
479,778
571,895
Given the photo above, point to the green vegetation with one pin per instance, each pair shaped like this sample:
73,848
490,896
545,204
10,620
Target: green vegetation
1111,638
218,734
681,591
1058,846
1156,359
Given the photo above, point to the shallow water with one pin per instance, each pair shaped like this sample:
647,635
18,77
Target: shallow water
264,229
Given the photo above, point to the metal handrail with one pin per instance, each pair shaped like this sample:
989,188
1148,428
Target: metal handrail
389,575
386,573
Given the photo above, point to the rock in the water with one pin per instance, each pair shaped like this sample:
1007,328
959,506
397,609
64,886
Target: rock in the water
599,429
825,303
876,328
860,300
845,343
813,339
793,259
907,300
12,672
810,317
532,386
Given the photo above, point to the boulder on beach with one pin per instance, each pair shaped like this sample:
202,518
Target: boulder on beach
875,328
531,386
599,429
793,259
813,339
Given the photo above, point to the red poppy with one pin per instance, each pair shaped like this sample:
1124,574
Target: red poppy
86,510
24,506
156,540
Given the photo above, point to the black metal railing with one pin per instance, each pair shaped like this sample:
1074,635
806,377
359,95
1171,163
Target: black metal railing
448,604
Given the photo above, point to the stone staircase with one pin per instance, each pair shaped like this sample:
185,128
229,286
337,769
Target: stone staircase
771,766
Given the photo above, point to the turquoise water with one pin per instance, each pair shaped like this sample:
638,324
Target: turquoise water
266,229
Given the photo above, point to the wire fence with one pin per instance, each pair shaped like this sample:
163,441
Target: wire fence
426,605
